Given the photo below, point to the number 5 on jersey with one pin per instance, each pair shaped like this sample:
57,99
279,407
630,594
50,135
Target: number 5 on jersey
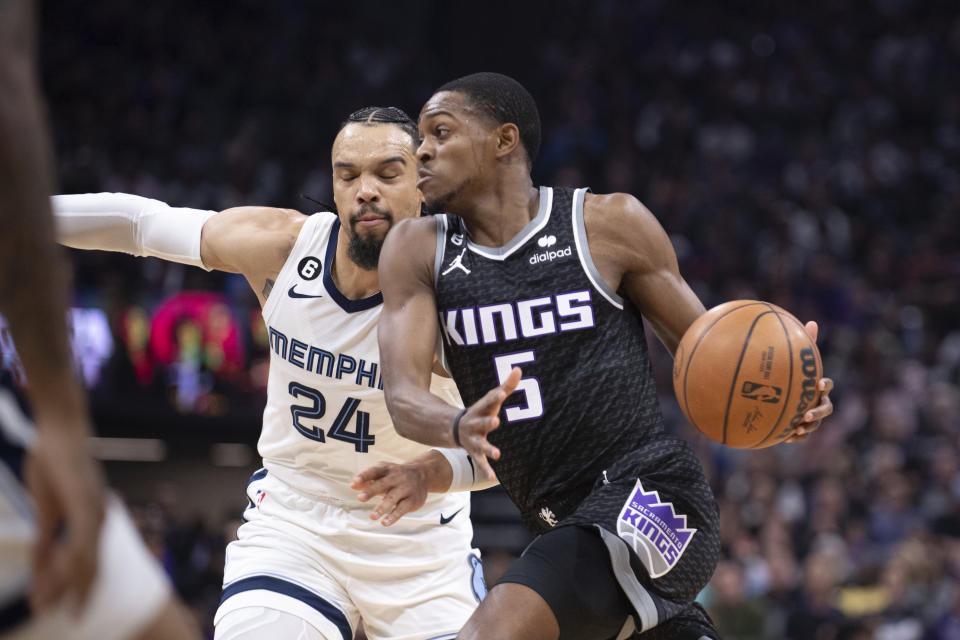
530,387
360,438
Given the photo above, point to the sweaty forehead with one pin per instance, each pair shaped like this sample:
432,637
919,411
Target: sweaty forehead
359,143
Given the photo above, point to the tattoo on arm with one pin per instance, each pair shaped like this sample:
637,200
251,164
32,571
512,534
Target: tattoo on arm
267,288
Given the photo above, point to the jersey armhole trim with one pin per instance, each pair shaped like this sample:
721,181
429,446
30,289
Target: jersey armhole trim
439,255
441,250
306,235
583,250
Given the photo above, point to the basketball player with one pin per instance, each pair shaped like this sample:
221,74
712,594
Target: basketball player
91,576
311,560
552,280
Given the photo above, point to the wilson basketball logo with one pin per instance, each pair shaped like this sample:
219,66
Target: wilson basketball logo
810,372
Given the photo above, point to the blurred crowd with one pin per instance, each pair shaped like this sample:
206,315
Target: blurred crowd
802,153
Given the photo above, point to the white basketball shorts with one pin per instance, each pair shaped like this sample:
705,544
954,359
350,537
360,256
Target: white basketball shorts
326,562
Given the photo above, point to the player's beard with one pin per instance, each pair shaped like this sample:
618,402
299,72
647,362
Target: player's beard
364,249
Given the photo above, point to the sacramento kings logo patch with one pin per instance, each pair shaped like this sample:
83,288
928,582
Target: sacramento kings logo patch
654,530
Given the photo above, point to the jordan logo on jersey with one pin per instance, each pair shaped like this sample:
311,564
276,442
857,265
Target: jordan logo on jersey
457,263
654,530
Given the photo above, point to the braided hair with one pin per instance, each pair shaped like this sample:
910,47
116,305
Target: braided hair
384,115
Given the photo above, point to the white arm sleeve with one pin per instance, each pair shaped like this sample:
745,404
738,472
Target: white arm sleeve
464,474
130,224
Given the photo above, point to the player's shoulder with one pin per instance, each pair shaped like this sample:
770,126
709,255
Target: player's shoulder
256,218
251,240
618,224
276,218
411,243
413,232
615,205
421,225
617,213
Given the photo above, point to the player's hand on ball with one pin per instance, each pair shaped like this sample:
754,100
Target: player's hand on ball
816,415
403,487
481,418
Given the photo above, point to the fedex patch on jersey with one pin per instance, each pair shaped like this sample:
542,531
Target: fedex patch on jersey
654,530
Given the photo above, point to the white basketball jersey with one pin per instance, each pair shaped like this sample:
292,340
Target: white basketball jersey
326,418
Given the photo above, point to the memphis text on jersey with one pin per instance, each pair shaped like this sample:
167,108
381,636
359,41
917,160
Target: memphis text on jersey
322,362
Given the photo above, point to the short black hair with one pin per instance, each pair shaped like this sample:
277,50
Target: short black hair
504,100
384,115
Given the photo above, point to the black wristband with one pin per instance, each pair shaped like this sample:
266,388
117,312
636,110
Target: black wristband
456,427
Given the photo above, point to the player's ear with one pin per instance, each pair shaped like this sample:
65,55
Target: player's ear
508,137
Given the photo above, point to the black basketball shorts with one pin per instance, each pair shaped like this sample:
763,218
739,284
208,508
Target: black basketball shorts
639,547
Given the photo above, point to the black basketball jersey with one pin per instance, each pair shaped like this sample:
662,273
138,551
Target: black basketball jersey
587,397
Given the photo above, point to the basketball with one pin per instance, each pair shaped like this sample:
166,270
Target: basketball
745,373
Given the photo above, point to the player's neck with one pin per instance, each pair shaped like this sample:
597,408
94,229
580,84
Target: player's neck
352,281
498,213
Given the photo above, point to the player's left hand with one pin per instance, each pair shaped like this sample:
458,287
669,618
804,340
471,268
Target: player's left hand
480,418
813,417
403,487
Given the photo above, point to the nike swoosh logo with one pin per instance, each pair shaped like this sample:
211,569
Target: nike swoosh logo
446,520
294,294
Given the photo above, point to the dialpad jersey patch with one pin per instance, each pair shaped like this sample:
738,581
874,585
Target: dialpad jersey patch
654,530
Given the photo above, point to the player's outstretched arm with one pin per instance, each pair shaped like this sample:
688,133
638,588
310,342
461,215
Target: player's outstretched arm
253,241
407,334
65,482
